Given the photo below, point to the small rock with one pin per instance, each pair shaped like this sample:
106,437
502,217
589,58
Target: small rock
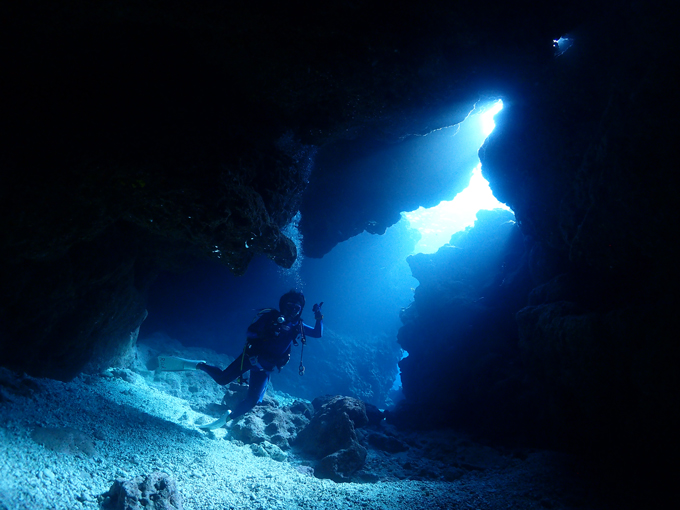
137,493
340,465
274,451
305,470
258,450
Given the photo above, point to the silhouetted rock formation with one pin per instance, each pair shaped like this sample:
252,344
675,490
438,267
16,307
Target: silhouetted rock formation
460,333
592,187
583,160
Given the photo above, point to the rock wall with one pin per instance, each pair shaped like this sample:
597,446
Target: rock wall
581,354
460,332
596,333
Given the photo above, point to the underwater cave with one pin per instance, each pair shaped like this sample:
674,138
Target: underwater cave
168,171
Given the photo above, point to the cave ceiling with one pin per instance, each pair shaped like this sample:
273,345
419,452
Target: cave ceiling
140,134
197,123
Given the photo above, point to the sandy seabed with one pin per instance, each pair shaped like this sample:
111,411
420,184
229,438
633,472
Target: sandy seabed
122,426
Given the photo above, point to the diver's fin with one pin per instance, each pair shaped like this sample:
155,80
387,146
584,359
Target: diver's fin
216,424
174,364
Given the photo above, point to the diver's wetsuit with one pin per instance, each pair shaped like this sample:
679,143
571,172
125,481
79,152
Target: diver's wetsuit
269,347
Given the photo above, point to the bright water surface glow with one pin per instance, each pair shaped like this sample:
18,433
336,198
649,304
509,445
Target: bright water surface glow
437,224
487,117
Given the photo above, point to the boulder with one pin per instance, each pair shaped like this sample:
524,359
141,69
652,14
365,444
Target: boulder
331,437
340,465
266,449
157,491
267,423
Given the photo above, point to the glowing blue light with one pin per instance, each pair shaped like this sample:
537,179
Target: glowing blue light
487,117
437,224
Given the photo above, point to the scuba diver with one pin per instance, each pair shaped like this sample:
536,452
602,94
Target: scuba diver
269,342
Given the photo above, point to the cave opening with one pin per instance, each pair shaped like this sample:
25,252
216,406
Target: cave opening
365,281
437,224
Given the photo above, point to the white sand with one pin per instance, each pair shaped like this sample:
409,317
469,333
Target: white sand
138,429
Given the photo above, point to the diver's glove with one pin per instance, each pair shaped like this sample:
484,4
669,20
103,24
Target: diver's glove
317,311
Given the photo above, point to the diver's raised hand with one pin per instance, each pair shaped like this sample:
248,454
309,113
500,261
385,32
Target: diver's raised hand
317,311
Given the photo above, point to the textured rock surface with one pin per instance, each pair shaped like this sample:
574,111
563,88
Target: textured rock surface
460,331
157,491
594,187
584,159
331,437
365,185
267,423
